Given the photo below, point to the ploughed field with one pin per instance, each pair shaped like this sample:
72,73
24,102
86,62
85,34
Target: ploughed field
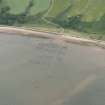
39,71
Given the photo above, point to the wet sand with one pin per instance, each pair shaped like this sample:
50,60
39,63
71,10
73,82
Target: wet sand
39,71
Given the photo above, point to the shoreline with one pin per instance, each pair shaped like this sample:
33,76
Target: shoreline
51,35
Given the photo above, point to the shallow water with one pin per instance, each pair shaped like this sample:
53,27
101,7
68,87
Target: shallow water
37,71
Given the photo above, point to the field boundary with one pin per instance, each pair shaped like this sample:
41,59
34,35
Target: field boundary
51,3
50,35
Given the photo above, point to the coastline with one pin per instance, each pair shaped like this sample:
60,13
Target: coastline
50,35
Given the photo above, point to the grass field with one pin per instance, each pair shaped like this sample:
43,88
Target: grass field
81,15
39,6
18,6
58,6
90,9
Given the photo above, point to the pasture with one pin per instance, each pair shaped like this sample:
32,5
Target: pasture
19,6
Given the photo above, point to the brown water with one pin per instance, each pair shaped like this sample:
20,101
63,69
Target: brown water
37,71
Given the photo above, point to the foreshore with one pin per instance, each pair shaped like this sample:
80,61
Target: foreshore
50,35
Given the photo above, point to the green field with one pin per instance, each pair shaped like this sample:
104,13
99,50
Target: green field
90,9
40,5
57,7
18,6
81,15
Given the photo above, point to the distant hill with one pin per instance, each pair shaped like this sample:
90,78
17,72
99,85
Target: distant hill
81,15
